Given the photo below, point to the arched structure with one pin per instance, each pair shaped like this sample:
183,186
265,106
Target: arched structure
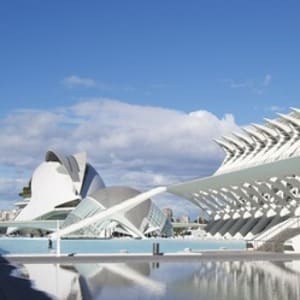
57,186
257,187
69,189
145,218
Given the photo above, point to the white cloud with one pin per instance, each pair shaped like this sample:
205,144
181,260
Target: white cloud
134,145
255,86
267,80
73,81
237,84
274,109
77,81
9,189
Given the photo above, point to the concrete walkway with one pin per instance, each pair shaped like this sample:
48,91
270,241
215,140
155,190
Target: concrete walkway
224,255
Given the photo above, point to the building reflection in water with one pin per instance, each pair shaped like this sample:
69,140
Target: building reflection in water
86,281
247,280
14,284
205,280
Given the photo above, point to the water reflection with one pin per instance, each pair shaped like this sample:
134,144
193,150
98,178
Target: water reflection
203,280
14,285
245,280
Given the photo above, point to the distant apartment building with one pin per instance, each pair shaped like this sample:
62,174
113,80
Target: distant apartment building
8,215
184,219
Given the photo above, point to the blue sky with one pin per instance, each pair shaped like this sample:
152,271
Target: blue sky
222,57
176,54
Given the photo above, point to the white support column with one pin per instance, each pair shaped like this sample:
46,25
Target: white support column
217,197
229,194
266,188
211,200
252,191
58,248
207,202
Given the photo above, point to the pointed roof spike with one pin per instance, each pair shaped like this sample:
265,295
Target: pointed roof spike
271,132
255,133
246,138
290,119
225,145
233,141
297,110
278,125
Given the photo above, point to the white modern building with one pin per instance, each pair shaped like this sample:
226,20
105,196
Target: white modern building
141,220
57,186
255,194
66,189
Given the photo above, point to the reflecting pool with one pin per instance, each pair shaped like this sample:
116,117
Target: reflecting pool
197,280
40,245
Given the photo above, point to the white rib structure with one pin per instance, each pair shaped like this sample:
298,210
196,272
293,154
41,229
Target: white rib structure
258,184
276,139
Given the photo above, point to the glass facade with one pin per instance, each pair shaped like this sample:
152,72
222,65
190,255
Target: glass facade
151,215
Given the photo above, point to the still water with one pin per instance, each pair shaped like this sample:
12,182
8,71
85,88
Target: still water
40,245
197,280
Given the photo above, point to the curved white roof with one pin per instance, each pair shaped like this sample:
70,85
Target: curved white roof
51,186
74,164
58,184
